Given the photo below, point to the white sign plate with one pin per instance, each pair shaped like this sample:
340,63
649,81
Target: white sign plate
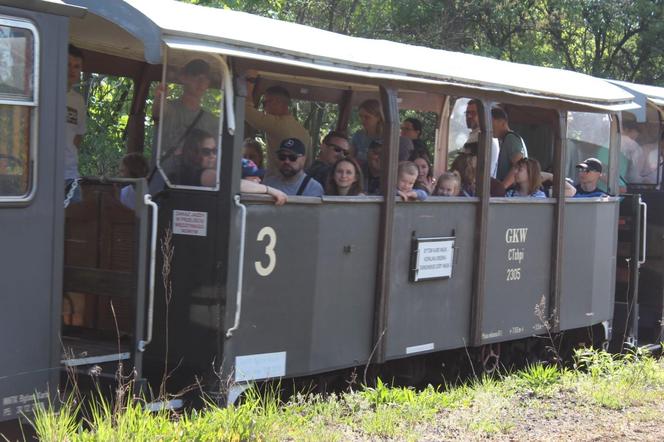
434,259
186,222
260,366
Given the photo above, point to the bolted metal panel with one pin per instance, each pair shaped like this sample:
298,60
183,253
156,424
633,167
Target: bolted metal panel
517,278
309,294
435,311
589,263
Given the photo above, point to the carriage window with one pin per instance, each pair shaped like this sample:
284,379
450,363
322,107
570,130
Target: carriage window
639,148
588,135
459,131
189,120
17,107
16,63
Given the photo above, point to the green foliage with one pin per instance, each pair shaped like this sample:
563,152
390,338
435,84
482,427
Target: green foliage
617,381
539,378
108,101
383,394
486,407
54,425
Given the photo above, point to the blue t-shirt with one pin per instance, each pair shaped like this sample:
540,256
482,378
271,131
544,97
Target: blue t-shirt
421,194
595,193
536,194
291,186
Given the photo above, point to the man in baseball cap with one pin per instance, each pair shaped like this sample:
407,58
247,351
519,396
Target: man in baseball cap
291,179
590,170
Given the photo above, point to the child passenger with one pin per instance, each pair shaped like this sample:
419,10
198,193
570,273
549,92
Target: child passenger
406,177
251,172
345,178
528,179
133,165
449,184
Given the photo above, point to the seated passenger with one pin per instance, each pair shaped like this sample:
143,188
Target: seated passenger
590,170
528,179
425,179
290,177
199,158
406,177
276,121
251,172
372,168
334,147
253,150
371,117
449,184
133,165
345,179
464,165
411,128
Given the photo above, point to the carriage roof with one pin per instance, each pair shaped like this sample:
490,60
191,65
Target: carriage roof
151,24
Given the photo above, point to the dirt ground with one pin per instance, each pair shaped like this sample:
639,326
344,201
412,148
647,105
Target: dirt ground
553,419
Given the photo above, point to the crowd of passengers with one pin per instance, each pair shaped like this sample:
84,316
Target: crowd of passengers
344,166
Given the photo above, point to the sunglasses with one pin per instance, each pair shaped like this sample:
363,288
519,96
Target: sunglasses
283,157
206,151
339,149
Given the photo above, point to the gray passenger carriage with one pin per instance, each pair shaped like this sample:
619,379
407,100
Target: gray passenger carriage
320,284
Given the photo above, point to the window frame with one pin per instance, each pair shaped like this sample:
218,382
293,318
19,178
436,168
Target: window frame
33,105
160,129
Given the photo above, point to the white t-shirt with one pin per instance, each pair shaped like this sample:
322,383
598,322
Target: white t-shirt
474,136
128,196
76,125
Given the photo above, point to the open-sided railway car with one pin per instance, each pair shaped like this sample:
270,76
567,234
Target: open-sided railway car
254,291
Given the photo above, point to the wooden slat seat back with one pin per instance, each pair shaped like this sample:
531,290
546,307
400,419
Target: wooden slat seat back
99,256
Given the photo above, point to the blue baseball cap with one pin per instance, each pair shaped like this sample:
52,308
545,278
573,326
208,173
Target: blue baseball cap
294,145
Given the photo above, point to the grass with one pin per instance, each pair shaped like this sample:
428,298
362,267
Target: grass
489,406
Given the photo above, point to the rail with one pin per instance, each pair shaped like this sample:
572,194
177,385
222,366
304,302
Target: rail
644,231
240,267
147,199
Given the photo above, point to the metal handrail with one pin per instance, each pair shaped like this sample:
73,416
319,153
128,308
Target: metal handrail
240,267
147,199
644,220
228,94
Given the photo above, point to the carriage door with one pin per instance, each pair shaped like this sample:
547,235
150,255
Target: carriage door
30,220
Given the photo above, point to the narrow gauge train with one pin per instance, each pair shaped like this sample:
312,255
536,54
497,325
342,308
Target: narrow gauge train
320,284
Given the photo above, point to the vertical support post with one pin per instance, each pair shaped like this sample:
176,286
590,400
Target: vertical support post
136,123
142,241
440,149
228,239
482,222
389,158
559,218
614,155
344,110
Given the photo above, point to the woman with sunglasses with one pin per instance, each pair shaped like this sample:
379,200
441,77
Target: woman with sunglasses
199,153
199,162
